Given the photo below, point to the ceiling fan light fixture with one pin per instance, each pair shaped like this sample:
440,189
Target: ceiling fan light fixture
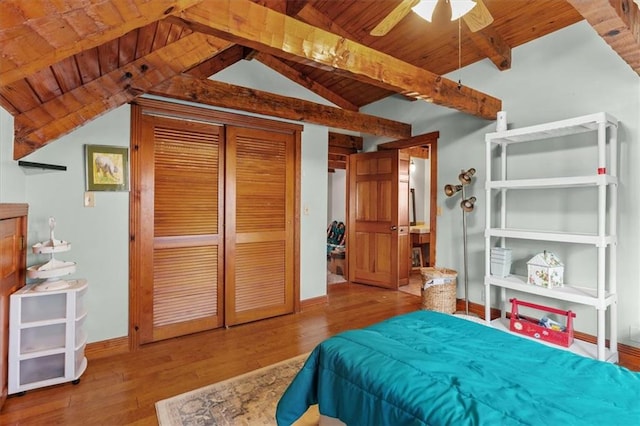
425,9
459,8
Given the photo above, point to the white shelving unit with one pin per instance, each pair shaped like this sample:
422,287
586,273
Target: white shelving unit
602,294
47,336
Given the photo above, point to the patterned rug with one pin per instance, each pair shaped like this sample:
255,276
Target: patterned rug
249,399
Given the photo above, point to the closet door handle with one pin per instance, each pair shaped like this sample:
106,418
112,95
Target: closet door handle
394,228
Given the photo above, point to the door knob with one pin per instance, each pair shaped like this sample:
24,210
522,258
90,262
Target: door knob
393,228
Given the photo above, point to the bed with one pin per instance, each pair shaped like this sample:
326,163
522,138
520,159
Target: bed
429,368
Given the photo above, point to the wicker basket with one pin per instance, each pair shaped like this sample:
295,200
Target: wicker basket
441,296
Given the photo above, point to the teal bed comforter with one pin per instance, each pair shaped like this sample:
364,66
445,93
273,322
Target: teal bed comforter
428,368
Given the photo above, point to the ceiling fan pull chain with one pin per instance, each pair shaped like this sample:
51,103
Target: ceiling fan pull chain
459,54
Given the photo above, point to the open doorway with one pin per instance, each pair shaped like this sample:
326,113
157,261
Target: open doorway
420,207
336,218
340,147
422,149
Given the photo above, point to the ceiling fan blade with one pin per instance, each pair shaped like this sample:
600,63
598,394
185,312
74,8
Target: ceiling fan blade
392,19
478,17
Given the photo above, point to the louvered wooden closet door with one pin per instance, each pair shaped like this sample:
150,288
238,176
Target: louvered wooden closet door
260,196
184,275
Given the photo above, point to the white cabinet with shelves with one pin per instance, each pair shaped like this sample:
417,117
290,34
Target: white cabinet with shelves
47,336
601,292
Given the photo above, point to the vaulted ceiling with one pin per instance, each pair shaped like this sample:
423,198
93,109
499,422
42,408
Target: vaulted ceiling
64,63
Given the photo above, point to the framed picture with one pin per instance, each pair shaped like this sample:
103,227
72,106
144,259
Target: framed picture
416,257
107,168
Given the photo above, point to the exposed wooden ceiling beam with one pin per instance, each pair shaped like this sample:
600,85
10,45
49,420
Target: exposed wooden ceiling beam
411,142
292,74
419,152
39,126
333,165
345,141
618,23
57,30
314,17
342,151
221,61
295,6
489,42
230,96
336,157
261,28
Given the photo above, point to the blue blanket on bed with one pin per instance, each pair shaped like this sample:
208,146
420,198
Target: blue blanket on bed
428,368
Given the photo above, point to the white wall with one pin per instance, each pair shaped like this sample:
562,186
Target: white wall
569,73
99,236
337,198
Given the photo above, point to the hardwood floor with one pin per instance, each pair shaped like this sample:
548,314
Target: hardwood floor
122,389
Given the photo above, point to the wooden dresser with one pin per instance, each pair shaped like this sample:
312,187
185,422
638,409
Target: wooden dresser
13,264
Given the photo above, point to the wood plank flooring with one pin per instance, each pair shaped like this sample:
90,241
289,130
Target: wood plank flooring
122,389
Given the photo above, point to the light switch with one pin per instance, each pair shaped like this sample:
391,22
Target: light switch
89,199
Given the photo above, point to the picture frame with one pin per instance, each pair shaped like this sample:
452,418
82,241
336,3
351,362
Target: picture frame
107,168
416,257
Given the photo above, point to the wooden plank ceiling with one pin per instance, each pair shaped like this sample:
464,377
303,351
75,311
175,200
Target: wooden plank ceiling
64,63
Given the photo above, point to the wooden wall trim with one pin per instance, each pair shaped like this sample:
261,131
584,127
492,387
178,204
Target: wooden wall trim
107,348
630,354
9,210
191,112
314,301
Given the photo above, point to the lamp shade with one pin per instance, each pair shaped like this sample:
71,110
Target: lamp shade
467,205
465,177
449,190
460,8
425,9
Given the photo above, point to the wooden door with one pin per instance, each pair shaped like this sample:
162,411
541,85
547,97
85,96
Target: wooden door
260,217
181,228
378,230
13,255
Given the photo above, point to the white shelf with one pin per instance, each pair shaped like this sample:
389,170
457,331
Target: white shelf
602,297
47,336
564,237
574,294
554,129
579,347
548,183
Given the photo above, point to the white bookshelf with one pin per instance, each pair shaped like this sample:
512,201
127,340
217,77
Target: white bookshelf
47,336
599,294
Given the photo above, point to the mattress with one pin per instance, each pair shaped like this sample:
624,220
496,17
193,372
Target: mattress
429,368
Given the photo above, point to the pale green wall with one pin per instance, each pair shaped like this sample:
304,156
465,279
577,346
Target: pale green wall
12,180
569,73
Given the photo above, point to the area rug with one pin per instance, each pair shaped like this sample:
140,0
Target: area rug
249,399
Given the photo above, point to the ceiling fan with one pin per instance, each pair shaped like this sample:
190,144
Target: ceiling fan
475,15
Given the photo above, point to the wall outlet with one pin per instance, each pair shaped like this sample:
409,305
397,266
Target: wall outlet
89,199
439,211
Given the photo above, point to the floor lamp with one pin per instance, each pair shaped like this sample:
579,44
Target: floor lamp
466,205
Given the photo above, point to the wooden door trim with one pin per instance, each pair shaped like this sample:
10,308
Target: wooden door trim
10,210
142,107
189,112
426,140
